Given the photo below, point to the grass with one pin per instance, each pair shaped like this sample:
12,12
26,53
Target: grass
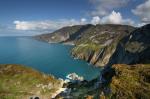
86,47
131,81
18,81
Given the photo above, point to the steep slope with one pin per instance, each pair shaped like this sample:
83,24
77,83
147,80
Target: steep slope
134,48
98,44
19,82
121,81
128,82
93,43
80,33
61,35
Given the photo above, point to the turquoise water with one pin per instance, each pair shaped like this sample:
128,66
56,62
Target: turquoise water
52,59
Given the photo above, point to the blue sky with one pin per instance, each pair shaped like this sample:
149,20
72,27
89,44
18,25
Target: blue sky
31,17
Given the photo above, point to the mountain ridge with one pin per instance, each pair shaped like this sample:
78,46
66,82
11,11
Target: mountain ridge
92,42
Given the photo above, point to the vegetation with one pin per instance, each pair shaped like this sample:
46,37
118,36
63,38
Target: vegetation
131,81
19,82
86,47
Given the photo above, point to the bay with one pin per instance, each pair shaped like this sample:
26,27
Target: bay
52,59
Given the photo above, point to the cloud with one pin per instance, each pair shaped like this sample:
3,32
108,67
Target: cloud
141,24
143,11
95,20
51,25
83,21
112,18
104,7
46,25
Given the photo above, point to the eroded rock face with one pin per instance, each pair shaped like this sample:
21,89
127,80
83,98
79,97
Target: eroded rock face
93,43
100,45
134,48
97,48
124,48
64,35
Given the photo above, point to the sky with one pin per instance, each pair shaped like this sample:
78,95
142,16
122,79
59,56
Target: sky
33,17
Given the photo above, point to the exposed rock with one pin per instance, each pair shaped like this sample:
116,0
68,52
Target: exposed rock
74,77
124,48
101,45
134,48
106,45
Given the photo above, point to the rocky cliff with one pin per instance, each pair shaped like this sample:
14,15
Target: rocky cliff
129,81
134,48
120,81
124,52
103,45
61,35
124,48
93,43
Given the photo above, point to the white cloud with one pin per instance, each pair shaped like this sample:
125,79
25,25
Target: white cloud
83,21
49,25
104,7
112,18
95,20
143,11
45,25
141,24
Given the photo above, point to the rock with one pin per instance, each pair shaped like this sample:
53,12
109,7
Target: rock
100,53
134,48
74,77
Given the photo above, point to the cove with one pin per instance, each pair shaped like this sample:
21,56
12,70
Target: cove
52,59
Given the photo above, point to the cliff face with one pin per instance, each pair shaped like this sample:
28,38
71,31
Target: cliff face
127,82
106,45
98,46
130,81
103,45
124,48
95,44
64,34
134,48
118,81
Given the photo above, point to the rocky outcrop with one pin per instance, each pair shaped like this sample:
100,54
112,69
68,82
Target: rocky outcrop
93,43
117,80
103,45
129,81
134,48
124,48
120,82
97,48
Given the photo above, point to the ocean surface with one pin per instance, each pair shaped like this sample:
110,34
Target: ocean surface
52,59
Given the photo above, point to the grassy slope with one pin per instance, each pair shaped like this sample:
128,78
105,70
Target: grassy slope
131,81
18,82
